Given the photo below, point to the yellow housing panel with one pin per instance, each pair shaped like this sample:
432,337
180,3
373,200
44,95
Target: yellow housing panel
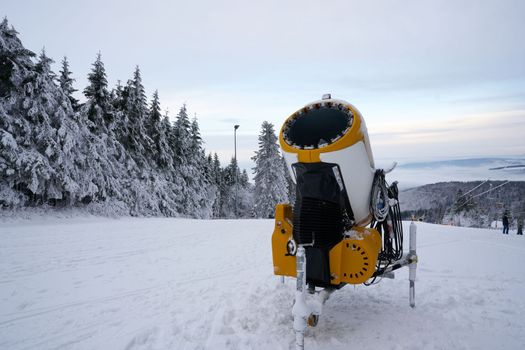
353,260
283,263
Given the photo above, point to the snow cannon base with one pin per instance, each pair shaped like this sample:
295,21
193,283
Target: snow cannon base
351,261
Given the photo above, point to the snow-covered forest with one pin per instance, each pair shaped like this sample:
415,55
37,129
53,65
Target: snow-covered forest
117,152
471,203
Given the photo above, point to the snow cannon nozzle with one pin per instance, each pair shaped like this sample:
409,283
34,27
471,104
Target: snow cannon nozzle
318,125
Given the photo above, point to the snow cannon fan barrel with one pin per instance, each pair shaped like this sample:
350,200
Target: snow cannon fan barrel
327,150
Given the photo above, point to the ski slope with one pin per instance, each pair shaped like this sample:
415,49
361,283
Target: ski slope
148,283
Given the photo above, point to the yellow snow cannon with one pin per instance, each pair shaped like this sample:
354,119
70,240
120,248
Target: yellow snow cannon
326,147
345,225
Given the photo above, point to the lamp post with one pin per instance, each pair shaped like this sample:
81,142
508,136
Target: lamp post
235,127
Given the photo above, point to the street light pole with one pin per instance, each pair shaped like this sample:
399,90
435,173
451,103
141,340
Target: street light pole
235,127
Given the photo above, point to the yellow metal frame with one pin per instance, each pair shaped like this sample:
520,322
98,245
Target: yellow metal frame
283,263
352,261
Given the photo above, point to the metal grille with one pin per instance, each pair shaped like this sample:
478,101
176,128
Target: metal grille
317,220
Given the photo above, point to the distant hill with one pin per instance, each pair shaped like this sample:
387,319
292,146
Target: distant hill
412,174
488,162
486,201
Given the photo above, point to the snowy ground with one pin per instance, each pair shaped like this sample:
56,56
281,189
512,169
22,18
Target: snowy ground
97,283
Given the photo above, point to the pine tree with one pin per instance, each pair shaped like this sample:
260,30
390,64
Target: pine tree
135,138
106,160
204,186
270,180
97,109
230,195
196,197
97,90
195,135
218,181
181,137
165,156
39,133
153,123
180,141
66,83
118,102
15,60
47,115
463,202
244,180
236,194
20,165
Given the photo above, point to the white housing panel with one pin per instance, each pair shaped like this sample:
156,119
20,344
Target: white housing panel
290,158
358,176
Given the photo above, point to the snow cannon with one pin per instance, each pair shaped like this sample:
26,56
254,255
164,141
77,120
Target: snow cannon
345,225
326,147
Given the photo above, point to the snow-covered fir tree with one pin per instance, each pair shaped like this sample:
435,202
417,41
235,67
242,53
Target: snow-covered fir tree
40,132
21,166
236,196
137,141
204,189
189,164
218,181
15,67
270,179
100,146
165,156
465,212
158,133
66,83
57,136
97,108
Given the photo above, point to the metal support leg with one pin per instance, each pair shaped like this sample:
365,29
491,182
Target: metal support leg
413,265
300,310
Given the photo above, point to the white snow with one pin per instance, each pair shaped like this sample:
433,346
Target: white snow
92,283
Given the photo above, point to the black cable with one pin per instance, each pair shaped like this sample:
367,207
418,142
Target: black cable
389,226
379,204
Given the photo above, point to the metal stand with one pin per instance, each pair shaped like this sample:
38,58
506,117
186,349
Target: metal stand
409,260
300,310
305,314
413,265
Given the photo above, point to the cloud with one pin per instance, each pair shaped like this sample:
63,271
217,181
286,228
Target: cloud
482,134
229,120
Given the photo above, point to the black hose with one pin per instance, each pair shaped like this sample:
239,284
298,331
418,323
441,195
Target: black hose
385,198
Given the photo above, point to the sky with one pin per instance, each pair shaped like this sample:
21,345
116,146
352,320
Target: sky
433,79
